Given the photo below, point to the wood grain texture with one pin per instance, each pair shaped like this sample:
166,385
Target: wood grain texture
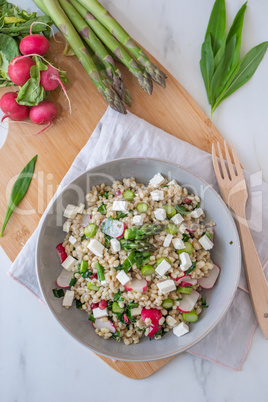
171,109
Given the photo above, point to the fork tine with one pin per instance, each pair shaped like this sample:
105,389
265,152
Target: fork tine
223,167
229,162
215,164
236,161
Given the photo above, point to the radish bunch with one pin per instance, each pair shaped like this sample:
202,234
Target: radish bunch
31,71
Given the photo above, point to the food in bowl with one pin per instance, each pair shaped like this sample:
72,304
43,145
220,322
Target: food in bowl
137,258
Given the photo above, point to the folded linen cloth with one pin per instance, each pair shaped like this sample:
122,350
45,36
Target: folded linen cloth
118,136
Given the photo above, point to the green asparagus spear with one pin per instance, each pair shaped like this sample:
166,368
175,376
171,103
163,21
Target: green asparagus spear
96,45
105,18
65,26
137,245
142,76
147,230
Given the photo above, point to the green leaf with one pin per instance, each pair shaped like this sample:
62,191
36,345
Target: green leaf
244,71
19,190
216,26
207,66
236,30
8,50
32,92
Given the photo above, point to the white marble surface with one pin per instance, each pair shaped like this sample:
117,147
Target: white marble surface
39,361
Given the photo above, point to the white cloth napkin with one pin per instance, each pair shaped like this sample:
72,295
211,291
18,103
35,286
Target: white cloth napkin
118,136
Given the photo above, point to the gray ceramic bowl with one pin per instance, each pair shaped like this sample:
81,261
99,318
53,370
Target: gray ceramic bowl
226,255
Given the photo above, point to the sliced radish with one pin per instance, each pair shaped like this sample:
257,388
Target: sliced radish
154,329
85,220
209,282
190,230
64,278
180,279
107,324
61,252
113,228
188,302
138,285
152,313
187,201
188,282
117,193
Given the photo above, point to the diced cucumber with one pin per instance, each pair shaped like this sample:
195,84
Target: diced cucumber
100,272
188,248
159,260
184,290
172,228
116,308
91,230
91,286
168,303
209,235
190,317
102,209
83,266
142,207
147,270
170,211
128,195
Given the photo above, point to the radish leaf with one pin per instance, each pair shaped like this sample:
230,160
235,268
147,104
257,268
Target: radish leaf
216,26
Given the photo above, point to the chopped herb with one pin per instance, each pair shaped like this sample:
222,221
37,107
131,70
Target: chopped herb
86,274
179,298
181,210
117,296
197,205
185,237
131,211
141,330
203,303
193,266
106,194
91,318
78,304
100,272
165,186
120,215
107,240
72,282
116,336
83,237
58,293
102,209
160,332
109,305
133,305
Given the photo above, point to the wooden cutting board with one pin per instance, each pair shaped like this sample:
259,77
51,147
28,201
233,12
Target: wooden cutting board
171,109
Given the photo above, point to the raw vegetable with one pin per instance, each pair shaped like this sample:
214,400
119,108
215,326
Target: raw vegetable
91,230
91,286
209,281
190,317
147,230
98,323
58,293
159,260
188,249
19,70
138,285
113,227
170,211
116,308
34,43
142,207
172,228
63,280
12,109
137,245
188,302
44,113
168,303
184,290
83,267
102,209
100,272
221,69
50,78
8,51
128,195
61,252
19,190
147,270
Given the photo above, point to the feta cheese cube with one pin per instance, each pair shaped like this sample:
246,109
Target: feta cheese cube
182,228
157,180
70,211
171,321
185,261
172,183
103,282
167,240
160,214
122,277
68,298
163,267
115,244
73,240
166,286
178,244
66,226
96,247
135,311
205,242
80,209
69,263
98,313
157,195
181,329
120,206
196,213
138,220
177,219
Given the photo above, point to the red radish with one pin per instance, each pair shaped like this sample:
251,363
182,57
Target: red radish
117,193
64,278
102,304
138,285
188,282
43,113
61,252
49,78
126,319
152,313
19,70
187,201
107,324
94,305
188,302
178,280
209,282
113,228
190,230
153,331
35,43
12,109
85,220
93,276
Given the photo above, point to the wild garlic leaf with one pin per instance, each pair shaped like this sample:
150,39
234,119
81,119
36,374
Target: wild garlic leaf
19,190
207,66
244,71
236,30
216,26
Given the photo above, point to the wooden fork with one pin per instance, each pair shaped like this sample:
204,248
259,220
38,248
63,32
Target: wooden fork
234,192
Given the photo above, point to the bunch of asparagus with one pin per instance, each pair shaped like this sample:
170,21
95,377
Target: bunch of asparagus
97,39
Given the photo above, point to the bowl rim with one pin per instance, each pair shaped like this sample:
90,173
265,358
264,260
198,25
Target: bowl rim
168,355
